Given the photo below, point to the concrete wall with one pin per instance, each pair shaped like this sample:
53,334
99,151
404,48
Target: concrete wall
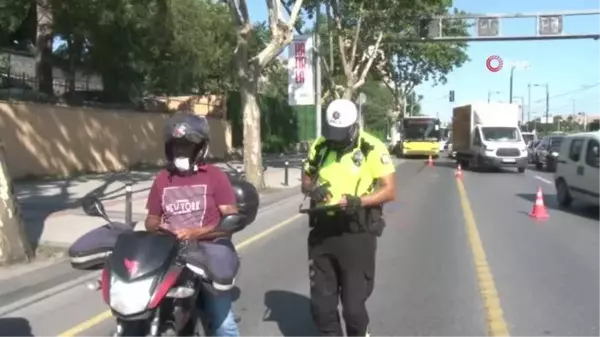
43,140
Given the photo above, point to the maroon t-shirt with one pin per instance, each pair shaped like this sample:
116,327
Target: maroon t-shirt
190,201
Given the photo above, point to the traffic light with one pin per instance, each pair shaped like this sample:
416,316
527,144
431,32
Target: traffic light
451,96
424,25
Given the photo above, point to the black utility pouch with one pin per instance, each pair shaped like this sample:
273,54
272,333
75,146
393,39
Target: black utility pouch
375,221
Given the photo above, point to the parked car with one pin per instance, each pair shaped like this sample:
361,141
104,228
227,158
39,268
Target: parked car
546,153
577,174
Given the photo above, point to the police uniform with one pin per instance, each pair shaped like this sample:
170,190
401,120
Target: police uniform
341,246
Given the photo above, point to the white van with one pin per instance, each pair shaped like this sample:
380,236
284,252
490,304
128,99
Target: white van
577,173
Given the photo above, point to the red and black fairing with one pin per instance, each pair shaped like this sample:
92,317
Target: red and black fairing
141,255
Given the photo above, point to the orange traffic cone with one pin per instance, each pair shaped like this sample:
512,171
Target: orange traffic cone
539,210
430,161
458,174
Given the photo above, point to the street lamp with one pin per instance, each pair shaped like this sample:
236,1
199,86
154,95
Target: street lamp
515,65
522,108
547,98
490,94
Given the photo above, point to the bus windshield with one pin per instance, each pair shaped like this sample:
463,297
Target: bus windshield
422,129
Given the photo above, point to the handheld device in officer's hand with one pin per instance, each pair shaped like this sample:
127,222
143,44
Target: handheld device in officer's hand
318,208
320,193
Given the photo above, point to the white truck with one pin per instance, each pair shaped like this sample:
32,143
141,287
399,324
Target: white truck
487,135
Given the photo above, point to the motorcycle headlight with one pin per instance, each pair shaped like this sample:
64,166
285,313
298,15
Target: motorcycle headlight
130,298
554,154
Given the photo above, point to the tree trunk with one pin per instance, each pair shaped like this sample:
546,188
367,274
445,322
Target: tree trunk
43,47
249,74
14,243
252,142
348,93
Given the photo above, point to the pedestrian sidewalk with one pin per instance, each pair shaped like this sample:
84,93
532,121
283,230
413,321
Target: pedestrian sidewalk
51,209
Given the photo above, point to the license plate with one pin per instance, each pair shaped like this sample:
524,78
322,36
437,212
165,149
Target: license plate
509,160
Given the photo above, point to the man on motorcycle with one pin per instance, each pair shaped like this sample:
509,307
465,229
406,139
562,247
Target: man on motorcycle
189,198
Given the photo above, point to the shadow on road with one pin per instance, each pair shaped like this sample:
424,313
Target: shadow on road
291,311
15,326
445,163
579,209
37,204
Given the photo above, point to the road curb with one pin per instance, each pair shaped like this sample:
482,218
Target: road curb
27,301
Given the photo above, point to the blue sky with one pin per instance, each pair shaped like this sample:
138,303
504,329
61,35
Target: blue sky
566,65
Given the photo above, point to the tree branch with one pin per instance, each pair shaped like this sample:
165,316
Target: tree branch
329,32
363,76
341,43
356,35
328,72
274,13
281,32
295,13
240,11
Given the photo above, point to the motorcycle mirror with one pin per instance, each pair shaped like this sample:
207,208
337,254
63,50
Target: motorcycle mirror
92,206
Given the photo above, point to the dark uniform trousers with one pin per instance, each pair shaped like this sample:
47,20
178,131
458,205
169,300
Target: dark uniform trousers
341,266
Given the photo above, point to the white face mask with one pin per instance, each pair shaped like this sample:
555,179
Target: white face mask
182,163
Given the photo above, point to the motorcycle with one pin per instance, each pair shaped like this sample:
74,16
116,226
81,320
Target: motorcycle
148,286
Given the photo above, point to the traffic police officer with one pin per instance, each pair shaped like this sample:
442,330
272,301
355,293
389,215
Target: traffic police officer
349,167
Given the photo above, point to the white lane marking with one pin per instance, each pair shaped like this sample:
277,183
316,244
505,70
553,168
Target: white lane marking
544,180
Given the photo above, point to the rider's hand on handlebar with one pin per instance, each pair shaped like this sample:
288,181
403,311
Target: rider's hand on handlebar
350,203
186,233
320,193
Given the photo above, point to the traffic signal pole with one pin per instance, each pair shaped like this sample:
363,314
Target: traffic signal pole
549,26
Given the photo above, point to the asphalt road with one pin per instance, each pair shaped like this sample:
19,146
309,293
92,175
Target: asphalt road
457,258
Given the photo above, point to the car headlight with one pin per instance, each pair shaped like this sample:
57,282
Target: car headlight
130,298
554,154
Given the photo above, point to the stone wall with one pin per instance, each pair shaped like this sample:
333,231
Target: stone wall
47,140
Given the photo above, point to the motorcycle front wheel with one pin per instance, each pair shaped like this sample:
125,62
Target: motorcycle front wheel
131,328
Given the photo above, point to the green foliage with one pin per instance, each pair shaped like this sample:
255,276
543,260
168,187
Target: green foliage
410,64
12,16
380,102
278,122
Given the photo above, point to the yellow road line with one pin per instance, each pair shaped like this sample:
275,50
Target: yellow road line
88,324
495,323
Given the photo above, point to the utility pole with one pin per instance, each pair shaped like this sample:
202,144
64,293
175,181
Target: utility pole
547,102
317,65
528,102
510,86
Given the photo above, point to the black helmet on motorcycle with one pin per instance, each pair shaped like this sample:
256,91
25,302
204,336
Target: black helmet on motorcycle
247,199
186,137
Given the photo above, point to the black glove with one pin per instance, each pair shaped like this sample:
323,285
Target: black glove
320,193
353,203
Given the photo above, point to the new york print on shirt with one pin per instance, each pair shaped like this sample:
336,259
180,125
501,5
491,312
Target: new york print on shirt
184,206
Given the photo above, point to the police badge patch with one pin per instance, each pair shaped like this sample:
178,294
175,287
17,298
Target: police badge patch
358,158
386,159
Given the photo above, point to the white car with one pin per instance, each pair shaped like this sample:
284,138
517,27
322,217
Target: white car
577,173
